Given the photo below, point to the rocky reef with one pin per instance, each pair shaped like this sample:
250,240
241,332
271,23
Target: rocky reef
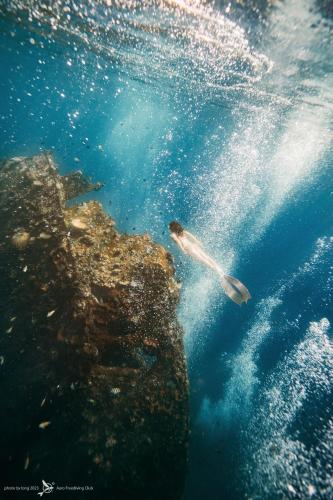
93,376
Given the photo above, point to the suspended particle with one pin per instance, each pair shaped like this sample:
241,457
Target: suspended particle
45,424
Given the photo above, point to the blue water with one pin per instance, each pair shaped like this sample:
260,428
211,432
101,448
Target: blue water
225,123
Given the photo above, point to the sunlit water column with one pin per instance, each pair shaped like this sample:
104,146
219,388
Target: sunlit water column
274,151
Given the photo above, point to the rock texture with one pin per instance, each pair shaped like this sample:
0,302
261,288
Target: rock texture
93,377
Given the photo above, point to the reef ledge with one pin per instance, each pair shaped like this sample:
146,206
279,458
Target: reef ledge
93,374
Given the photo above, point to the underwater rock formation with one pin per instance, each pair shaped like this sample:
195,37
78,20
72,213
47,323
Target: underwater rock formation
94,385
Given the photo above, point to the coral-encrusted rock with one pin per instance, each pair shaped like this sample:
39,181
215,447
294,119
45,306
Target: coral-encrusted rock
94,385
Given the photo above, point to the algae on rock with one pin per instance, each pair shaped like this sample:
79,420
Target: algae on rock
94,383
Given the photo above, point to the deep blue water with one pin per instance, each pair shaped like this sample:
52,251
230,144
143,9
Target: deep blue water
230,132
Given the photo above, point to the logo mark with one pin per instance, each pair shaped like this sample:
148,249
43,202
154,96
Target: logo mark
47,488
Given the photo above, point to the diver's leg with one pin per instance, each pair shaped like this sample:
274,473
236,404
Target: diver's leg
201,256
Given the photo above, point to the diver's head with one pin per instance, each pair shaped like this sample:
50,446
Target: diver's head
176,228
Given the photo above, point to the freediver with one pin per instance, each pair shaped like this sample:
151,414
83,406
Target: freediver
190,245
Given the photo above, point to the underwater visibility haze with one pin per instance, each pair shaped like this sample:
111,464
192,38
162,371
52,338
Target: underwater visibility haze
220,116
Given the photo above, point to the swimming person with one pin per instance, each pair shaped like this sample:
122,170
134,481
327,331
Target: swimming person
190,245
